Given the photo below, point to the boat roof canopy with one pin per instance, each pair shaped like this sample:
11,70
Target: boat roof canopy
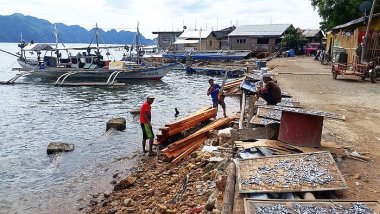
38,47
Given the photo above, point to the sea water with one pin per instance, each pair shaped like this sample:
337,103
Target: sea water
33,114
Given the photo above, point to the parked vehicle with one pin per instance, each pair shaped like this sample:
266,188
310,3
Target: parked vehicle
312,48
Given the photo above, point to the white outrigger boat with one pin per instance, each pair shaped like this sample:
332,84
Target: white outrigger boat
87,66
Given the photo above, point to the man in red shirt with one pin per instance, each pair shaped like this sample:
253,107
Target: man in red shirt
146,126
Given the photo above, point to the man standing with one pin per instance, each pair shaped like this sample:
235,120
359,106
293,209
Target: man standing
213,90
271,92
146,126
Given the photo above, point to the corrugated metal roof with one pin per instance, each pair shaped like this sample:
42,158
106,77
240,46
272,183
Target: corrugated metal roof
183,41
260,30
354,22
310,32
195,34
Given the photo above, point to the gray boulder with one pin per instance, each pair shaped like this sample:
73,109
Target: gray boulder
117,123
56,147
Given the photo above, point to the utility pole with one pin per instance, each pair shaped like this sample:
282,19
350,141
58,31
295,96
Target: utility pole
367,31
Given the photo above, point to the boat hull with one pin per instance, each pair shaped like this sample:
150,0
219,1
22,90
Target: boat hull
207,56
150,73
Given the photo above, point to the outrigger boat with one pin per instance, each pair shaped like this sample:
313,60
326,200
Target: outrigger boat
88,66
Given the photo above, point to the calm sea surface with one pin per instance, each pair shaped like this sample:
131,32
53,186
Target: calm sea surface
33,114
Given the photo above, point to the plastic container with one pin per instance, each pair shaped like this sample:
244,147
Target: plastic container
291,53
261,64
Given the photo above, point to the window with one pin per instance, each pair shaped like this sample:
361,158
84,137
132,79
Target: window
210,42
166,39
262,41
240,41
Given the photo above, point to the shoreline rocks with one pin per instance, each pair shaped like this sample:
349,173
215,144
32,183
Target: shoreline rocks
57,147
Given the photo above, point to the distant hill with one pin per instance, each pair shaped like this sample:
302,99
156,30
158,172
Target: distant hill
40,30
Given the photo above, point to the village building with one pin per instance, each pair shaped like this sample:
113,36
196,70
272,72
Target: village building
313,35
192,40
347,38
165,39
257,38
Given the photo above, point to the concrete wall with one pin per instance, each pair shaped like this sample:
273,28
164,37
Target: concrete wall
251,44
165,39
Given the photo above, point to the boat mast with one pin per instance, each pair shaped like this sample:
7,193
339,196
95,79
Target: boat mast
97,39
56,42
138,43
56,36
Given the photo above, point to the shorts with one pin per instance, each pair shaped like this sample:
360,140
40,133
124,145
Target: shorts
217,102
269,98
147,131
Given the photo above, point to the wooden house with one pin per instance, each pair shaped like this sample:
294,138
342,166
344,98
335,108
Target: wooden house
196,41
313,35
257,38
347,38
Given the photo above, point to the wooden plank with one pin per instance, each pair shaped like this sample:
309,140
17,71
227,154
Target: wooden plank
229,192
183,124
283,103
262,121
248,134
219,123
250,205
274,112
188,151
251,169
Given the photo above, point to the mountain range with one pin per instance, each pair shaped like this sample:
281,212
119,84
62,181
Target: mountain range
41,31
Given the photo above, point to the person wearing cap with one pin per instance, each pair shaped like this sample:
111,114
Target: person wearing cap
271,92
146,126
213,90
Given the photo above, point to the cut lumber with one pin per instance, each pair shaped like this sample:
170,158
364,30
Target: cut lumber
217,124
176,127
229,192
188,151
180,149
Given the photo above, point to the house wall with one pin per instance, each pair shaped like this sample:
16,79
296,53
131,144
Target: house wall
350,38
209,43
165,39
236,44
252,44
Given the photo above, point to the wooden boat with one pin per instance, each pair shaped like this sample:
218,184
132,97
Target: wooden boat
87,66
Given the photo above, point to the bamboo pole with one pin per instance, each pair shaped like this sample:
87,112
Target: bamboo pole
367,31
242,109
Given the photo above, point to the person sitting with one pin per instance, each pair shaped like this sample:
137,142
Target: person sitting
271,92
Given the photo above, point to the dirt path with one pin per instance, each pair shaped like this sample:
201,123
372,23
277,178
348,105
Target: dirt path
358,100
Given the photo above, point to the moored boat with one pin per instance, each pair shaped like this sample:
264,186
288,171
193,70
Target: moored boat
87,66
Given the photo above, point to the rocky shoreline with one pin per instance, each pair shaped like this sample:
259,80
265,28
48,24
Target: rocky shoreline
194,185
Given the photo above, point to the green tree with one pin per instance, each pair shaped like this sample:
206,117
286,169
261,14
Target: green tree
293,39
337,12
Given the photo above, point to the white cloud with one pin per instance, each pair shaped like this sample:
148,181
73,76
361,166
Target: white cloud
156,15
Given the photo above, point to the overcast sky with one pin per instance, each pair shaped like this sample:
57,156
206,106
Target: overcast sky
154,15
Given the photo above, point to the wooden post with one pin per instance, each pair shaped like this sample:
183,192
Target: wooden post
242,110
367,31
229,192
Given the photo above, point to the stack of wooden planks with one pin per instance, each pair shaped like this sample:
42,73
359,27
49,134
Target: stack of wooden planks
180,149
183,124
232,88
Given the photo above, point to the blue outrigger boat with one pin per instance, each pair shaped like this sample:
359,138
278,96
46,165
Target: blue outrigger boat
209,55
234,73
